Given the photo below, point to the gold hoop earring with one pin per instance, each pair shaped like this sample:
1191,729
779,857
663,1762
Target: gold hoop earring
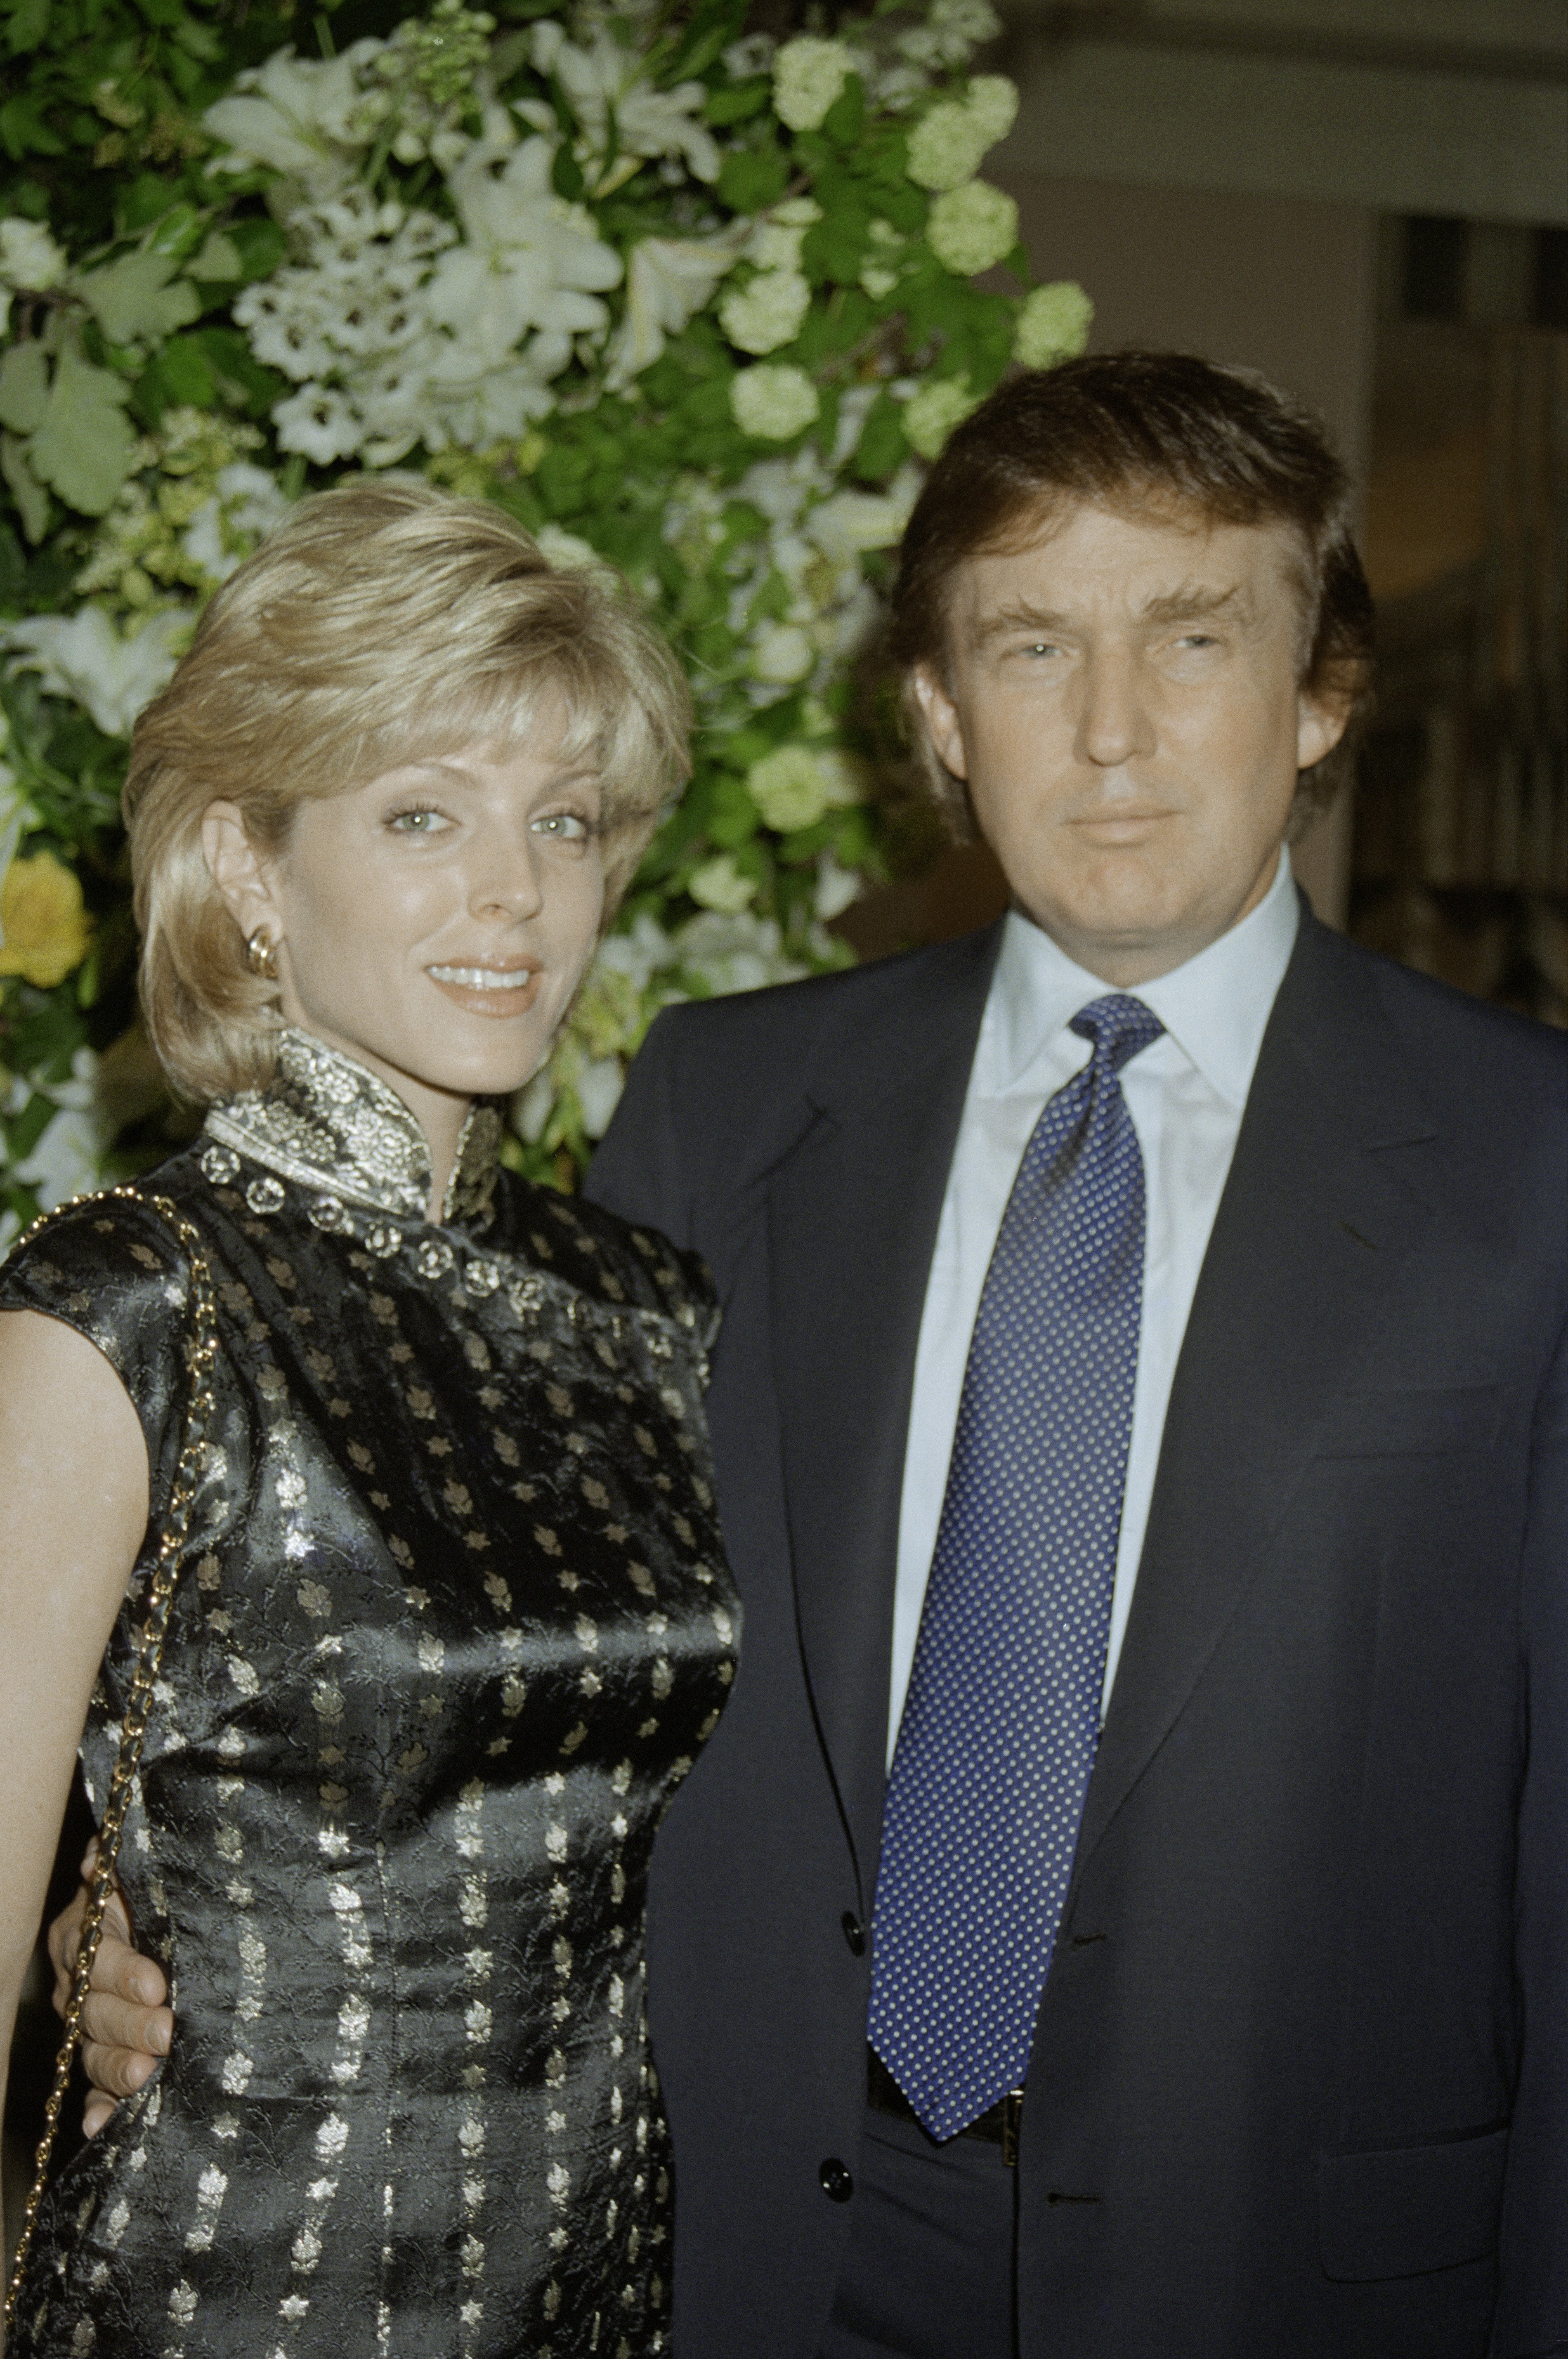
261,954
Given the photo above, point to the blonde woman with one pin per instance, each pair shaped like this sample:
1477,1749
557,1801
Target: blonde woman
455,1618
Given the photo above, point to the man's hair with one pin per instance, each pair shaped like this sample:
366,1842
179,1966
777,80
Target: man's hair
381,622
1146,435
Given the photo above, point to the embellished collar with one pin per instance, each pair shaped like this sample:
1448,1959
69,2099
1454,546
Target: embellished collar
329,1123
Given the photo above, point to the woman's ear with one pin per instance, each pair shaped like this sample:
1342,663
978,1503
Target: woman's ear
238,871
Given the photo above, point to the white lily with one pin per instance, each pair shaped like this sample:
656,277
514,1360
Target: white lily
294,113
853,521
83,656
529,260
607,81
668,280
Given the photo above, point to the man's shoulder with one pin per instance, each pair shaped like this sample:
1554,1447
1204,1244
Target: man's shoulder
1457,1043
820,1005
764,1042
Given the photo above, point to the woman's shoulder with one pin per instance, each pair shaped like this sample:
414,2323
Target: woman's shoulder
117,1236
610,1259
114,1265
115,1268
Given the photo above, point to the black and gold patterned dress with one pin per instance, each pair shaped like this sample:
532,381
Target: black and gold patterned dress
456,1623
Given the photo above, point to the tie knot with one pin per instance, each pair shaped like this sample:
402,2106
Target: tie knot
1118,1025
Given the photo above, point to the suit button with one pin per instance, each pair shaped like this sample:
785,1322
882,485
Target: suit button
853,1933
836,2181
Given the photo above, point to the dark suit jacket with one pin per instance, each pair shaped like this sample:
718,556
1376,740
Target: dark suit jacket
1299,2080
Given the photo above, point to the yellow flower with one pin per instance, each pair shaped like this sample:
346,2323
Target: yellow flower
44,930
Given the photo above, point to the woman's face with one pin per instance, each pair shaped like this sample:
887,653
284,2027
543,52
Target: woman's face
436,923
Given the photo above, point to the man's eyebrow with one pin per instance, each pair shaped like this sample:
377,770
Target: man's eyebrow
1191,604
1002,622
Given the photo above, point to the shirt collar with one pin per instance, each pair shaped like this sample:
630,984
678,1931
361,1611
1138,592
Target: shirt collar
328,1123
1215,1008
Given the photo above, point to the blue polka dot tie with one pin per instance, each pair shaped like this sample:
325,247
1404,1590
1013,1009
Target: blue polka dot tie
1003,1714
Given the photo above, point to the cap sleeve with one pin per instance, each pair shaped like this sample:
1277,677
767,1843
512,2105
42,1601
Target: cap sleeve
110,1268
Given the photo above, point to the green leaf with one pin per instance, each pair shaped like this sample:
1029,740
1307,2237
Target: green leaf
566,175
148,199
242,380
84,447
748,182
178,233
13,568
32,500
24,131
741,100
835,248
178,374
219,260
882,447
30,21
846,118
733,817
24,387
260,244
133,299
903,204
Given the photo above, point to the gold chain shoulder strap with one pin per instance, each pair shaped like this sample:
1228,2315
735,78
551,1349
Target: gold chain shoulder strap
201,1349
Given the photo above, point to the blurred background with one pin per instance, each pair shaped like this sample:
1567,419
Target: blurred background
1367,199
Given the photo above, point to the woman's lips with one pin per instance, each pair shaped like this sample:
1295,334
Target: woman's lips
488,989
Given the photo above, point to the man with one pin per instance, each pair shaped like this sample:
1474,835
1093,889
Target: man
1142,1420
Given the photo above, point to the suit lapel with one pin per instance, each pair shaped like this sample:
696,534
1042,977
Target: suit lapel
1311,1231
853,1214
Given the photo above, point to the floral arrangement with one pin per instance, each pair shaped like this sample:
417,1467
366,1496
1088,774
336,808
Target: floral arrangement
691,301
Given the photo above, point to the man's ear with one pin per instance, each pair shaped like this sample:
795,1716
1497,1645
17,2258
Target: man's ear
941,715
238,871
1321,722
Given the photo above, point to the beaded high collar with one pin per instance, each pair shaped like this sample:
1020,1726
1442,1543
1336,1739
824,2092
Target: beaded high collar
327,1122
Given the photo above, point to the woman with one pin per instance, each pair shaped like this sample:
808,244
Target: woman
454,1619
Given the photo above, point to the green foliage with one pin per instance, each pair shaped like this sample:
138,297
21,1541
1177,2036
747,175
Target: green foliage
192,343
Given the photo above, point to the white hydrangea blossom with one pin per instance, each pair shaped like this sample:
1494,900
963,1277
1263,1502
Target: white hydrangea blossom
808,75
1054,324
719,884
947,146
972,228
993,101
931,413
768,312
795,785
773,401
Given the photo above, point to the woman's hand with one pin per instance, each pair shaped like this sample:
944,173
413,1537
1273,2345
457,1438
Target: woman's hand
126,2027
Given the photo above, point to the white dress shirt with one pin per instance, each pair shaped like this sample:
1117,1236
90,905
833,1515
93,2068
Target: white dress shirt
1186,1093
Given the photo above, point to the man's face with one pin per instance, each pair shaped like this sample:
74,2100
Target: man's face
1123,704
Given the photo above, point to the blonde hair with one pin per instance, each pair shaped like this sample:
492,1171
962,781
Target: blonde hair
382,621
